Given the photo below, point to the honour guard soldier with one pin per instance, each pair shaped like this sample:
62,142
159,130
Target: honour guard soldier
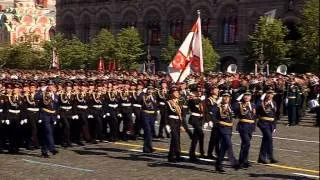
97,112
162,96
149,109
183,102
66,113
292,103
112,102
174,119
32,114
211,102
2,117
137,105
49,104
266,113
223,115
246,112
195,104
126,111
13,117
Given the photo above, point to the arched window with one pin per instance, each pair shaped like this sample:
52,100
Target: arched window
129,19
176,29
205,23
69,27
229,26
85,29
154,33
103,21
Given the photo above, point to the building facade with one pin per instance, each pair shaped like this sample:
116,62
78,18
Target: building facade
226,22
27,21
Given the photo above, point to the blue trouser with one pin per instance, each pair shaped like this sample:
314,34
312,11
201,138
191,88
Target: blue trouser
266,149
47,141
292,114
224,134
245,131
148,124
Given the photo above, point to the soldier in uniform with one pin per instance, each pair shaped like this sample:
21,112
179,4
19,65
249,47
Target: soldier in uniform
246,112
49,105
2,117
266,113
211,102
97,112
126,111
14,107
162,96
223,115
149,109
183,102
292,103
174,118
195,104
66,99
112,103
137,105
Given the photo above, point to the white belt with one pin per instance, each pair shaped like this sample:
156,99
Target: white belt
162,103
33,109
113,105
196,114
137,105
66,107
82,107
97,106
1,110
184,106
126,104
174,117
14,111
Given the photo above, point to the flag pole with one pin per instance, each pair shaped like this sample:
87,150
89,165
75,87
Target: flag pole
201,57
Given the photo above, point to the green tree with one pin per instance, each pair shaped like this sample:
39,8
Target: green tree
103,45
129,48
168,52
4,54
210,56
267,43
308,45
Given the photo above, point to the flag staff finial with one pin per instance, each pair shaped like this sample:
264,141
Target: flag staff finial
198,11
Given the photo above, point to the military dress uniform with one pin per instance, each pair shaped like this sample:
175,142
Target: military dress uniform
267,124
97,113
126,113
223,115
196,120
137,110
82,114
246,112
162,97
149,109
2,119
112,106
173,120
48,107
292,104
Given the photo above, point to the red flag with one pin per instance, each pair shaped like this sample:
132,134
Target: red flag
189,56
55,59
101,65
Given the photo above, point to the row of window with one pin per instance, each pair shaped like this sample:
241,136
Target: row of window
176,29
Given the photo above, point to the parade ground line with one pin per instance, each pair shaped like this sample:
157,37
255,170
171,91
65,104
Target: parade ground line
270,165
57,165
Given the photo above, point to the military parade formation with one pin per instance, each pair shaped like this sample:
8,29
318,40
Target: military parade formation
42,109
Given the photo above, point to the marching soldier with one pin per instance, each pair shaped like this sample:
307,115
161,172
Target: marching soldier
66,98
246,112
162,97
211,102
149,109
112,102
183,102
174,118
49,104
2,117
137,105
14,107
195,104
126,112
97,112
223,115
266,113
292,103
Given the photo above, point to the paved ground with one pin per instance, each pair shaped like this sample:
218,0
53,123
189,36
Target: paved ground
297,149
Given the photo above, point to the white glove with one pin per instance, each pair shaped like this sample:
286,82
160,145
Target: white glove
58,117
104,116
120,115
202,98
210,124
108,114
205,126
286,101
168,128
54,122
90,116
7,122
25,121
21,122
133,115
39,121
3,121
274,131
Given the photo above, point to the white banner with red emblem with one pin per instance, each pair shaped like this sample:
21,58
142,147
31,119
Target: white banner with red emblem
189,56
